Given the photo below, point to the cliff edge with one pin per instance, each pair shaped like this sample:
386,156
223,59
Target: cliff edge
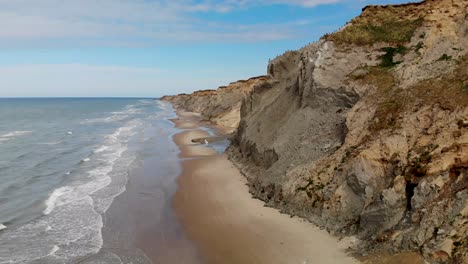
221,106
365,131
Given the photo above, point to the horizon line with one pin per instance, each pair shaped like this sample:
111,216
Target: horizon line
80,97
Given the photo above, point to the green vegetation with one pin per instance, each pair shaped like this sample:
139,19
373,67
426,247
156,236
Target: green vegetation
388,99
390,52
449,92
391,103
417,166
445,57
419,46
349,152
385,25
313,190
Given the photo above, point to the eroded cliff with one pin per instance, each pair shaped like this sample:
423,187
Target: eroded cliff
365,131
221,106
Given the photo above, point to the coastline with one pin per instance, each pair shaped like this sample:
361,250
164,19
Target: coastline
228,225
140,226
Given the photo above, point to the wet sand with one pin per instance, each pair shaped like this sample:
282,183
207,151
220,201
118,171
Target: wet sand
187,120
141,227
203,212
228,225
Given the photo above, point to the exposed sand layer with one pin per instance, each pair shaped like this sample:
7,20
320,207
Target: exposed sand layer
229,226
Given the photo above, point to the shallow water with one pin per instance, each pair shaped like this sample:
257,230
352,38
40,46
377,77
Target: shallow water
62,164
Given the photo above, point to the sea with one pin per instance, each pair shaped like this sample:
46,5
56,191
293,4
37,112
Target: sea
63,161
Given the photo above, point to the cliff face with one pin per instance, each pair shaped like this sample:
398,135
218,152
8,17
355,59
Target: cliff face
221,106
365,131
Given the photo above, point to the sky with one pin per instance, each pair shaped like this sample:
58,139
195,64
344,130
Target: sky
150,48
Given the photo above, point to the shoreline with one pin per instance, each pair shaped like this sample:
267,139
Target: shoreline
226,224
140,226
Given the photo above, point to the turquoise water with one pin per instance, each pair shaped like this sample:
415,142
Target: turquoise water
62,163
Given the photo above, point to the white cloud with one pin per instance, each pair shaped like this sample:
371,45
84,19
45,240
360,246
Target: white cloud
228,5
306,3
130,22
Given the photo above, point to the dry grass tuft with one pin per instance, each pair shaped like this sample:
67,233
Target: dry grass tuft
448,92
389,25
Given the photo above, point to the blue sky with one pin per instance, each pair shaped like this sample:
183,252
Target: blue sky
148,48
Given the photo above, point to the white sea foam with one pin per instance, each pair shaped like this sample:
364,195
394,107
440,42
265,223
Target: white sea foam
167,107
110,119
13,135
75,211
101,149
74,193
72,218
129,110
16,133
52,200
146,101
50,143
54,250
117,116
108,153
2,226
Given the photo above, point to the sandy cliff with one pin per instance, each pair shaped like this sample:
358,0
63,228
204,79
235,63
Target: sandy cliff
365,131
221,106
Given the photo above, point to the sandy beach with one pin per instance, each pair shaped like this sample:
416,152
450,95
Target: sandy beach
187,203
227,225
141,225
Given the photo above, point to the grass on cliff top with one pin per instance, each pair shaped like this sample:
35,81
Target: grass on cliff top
389,25
448,92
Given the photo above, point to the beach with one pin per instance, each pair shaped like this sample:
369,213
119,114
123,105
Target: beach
227,225
140,225
152,187
185,202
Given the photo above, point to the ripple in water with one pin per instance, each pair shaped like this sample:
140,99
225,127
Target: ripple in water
68,227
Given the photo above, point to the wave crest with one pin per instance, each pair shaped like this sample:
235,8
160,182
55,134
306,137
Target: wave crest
12,135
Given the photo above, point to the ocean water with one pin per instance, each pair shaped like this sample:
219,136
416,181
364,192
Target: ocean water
62,163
